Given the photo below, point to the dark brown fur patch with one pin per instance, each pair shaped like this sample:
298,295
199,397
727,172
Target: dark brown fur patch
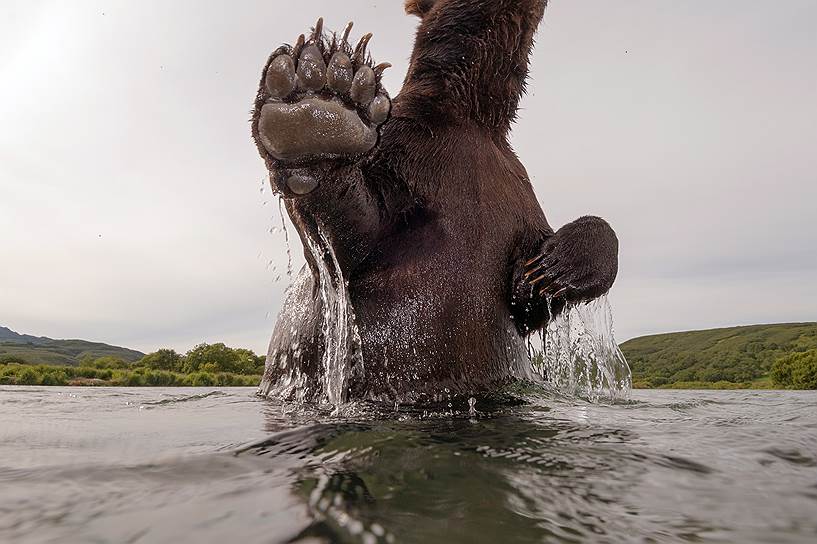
419,7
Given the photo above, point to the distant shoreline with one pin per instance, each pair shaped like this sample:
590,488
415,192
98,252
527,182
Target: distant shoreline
755,357
777,356
46,375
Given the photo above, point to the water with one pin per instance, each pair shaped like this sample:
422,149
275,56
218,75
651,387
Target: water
341,353
577,352
579,355
341,349
200,465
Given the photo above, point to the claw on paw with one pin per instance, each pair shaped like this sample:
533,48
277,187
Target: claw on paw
317,33
530,262
557,294
537,279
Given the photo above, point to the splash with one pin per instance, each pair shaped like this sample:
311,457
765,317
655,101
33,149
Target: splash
578,353
342,352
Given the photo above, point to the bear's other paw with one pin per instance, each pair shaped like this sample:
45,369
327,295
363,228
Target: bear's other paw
320,99
578,263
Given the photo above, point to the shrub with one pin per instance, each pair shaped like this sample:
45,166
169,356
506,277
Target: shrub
225,379
220,358
796,371
108,362
133,379
54,377
11,359
159,378
86,372
164,359
15,374
28,376
202,379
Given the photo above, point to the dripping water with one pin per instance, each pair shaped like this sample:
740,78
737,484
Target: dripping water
342,352
578,354
286,236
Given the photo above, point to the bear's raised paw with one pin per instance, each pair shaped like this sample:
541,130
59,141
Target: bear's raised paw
320,99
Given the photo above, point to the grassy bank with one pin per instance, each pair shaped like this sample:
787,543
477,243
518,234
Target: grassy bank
776,356
764,383
18,374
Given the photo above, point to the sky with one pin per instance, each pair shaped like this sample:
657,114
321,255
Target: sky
132,200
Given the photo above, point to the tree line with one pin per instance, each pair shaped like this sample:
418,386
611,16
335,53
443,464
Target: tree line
204,365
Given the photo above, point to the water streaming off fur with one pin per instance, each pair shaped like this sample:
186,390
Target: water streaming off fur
579,355
577,352
341,339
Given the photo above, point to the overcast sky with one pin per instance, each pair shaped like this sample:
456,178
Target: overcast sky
131,209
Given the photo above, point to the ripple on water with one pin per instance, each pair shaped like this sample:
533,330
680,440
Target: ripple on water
543,469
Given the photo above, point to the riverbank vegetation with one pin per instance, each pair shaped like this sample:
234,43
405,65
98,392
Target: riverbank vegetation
796,371
753,357
204,365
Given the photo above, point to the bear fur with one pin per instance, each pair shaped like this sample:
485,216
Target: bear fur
449,260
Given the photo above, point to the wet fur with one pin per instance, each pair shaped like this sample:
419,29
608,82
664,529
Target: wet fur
438,228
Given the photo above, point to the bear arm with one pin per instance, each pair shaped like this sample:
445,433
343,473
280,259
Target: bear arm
470,60
342,211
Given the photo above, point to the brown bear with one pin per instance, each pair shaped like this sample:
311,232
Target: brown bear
429,259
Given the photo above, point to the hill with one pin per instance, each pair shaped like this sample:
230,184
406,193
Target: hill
8,335
736,355
47,351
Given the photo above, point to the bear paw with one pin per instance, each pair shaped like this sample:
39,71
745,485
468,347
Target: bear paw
578,263
321,99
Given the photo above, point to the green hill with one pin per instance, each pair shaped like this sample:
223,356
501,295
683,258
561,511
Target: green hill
735,355
47,351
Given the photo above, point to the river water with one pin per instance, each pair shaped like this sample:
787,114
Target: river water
201,465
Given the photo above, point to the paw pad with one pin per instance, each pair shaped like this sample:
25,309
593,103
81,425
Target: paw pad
321,99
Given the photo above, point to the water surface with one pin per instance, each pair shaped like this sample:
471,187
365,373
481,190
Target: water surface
206,465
